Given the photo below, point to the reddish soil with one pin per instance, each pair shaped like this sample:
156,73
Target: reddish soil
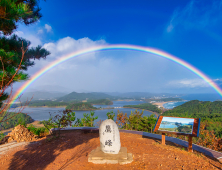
71,152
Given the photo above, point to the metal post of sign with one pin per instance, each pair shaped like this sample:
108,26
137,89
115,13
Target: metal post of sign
163,138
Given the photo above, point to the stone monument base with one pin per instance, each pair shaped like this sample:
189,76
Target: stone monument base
99,157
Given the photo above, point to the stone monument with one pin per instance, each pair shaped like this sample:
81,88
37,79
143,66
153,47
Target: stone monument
109,137
110,150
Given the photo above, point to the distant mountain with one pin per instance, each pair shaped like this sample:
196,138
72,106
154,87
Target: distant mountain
140,94
51,88
83,96
39,95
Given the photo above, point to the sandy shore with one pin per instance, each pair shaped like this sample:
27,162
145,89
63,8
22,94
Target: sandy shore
161,103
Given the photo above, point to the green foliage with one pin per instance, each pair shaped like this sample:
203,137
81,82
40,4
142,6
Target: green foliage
37,131
80,106
110,115
2,135
49,103
10,47
100,102
20,118
14,57
18,10
64,119
21,121
146,106
135,121
88,120
78,123
11,54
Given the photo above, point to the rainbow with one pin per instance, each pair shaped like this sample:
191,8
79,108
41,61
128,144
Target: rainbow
116,47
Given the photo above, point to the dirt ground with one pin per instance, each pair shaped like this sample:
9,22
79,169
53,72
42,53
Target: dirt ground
71,151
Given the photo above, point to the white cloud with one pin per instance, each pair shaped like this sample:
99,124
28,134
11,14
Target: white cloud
114,70
218,81
40,31
19,33
68,45
196,14
48,28
188,83
34,39
104,71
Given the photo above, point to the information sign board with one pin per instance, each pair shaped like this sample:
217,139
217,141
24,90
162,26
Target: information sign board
178,125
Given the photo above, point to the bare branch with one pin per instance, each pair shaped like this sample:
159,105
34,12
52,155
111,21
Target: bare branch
3,69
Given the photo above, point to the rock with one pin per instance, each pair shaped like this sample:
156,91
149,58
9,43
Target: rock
109,137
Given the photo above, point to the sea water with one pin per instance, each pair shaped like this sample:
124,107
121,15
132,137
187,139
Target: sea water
171,105
42,113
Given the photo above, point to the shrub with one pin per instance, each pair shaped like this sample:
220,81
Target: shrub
37,131
135,121
60,120
88,120
2,135
110,115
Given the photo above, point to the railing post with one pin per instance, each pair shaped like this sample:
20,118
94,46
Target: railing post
190,149
163,138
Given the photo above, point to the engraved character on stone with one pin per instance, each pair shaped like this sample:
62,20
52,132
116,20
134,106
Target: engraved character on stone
108,129
109,143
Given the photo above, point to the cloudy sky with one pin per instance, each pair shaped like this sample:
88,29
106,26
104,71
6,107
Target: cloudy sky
190,30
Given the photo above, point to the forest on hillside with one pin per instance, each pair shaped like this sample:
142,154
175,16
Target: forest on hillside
49,103
146,106
100,102
21,117
81,106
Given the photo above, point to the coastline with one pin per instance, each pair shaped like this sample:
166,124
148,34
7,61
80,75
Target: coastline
161,103
45,106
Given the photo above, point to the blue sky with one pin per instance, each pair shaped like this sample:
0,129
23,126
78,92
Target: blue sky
179,120
190,30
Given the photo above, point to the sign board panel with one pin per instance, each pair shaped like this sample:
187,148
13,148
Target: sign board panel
178,125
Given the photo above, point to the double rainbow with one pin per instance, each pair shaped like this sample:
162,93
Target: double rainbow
116,47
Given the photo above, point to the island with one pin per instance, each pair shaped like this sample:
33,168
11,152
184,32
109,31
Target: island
146,106
81,106
50,103
89,104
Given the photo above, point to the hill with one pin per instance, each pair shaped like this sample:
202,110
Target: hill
83,96
15,120
146,106
100,102
205,110
49,103
81,106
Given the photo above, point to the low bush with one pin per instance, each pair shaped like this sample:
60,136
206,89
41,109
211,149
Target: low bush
42,131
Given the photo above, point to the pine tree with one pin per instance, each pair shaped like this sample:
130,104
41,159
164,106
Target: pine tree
15,56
